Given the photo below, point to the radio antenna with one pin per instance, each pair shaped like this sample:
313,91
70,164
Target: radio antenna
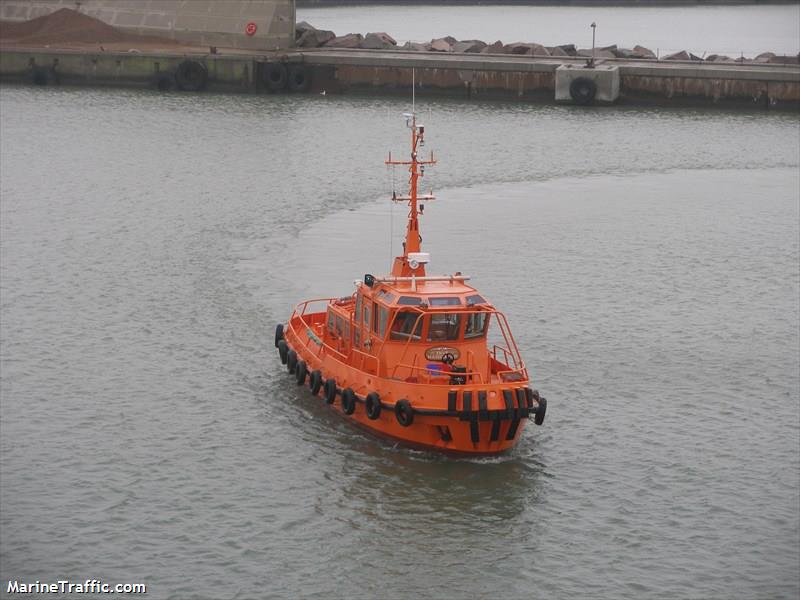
413,91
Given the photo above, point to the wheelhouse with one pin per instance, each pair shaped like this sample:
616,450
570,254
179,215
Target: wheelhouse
423,332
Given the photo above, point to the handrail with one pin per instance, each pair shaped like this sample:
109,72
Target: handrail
448,374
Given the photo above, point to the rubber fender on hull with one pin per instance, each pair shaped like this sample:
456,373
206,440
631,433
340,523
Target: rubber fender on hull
291,361
191,76
298,78
283,351
348,401
373,405
278,334
275,76
583,90
330,391
300,372
540,412
315,381
404,412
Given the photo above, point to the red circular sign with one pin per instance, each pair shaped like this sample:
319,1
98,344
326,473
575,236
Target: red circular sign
251,28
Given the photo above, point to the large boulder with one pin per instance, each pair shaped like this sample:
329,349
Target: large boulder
301,27
642,52
351,40
496,48
570,49
764,57
557,51
441,45
314,38
469,46
623,53
785,60
539,50
598,53
517,48
526,49
682,55
378,41
416,46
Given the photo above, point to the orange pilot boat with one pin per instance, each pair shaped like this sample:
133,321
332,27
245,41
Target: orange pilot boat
412,356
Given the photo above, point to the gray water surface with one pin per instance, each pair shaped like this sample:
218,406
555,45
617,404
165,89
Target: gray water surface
647,260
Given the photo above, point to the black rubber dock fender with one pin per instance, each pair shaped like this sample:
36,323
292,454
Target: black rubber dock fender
191,76
275,76
583,90
298,78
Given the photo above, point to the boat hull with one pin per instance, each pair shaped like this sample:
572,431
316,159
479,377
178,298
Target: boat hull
469,419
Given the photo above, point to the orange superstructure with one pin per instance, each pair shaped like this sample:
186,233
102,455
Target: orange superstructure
425,360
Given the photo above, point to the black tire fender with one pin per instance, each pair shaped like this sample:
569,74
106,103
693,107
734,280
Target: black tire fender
330,391
583,90
275,76
164,82
291,361
348,401
298,79
300,372
315,381
404,412
540,412
191,76
373,405
278,333
283,351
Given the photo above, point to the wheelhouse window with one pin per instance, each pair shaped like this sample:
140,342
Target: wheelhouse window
476,325
475,299
444,327
447,301
331,321
341,328
366,316
406,325
409,301
358,306
381,319
385,296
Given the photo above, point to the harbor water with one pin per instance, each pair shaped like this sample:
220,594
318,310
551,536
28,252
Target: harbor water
647,261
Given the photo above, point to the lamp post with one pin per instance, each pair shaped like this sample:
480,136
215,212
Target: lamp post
590,62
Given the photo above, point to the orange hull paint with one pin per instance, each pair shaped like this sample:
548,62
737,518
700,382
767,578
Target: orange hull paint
427,430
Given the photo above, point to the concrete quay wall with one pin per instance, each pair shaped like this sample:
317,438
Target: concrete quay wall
201,22
364,71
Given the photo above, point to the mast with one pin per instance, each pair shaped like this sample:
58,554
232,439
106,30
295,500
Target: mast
403,265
